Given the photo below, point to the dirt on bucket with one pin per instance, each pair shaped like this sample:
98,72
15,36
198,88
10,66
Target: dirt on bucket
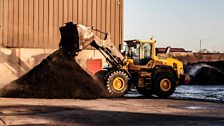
57,76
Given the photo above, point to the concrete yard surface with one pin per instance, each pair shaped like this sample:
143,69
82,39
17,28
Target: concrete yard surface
122,111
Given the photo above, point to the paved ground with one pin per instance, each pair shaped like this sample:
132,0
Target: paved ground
123,111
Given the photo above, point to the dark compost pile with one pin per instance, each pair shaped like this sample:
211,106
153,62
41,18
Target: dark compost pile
57,76
207,73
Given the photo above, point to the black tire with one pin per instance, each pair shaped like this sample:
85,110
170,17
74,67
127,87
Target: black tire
117,83
164,85
145,92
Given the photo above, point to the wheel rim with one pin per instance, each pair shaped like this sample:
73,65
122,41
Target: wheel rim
118,84
165,84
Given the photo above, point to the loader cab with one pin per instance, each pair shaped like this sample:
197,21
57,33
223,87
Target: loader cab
141,51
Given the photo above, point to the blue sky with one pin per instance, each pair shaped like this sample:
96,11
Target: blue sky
178,23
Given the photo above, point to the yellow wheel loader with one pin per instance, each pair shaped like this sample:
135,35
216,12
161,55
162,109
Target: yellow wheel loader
136,65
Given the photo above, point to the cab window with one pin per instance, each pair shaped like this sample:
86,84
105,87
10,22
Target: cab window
140,52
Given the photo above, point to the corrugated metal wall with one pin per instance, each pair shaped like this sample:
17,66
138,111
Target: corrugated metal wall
35,23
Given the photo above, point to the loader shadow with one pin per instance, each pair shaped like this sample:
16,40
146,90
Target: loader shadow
83,116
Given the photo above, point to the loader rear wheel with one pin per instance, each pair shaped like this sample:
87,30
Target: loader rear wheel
164,85
117,83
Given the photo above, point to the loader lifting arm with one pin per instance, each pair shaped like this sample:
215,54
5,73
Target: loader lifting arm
105,46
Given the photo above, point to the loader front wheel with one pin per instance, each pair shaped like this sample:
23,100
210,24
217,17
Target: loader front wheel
164,85
117,83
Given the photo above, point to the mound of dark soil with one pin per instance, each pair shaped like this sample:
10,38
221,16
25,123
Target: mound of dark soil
208,76
219,65
57,76
206,73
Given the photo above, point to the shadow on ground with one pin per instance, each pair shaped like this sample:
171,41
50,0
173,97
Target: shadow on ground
83,116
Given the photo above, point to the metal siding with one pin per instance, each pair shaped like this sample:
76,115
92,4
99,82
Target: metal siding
50,24
20,24
60,12
70,10
25,23
112,20
84,12
65,10
1,17
89,13
30,23
55,24
117,22
121,22
5,22
103,16
35,23
94,18
108,13
98,16
41,24
10,24
45,28
74,11
79,11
